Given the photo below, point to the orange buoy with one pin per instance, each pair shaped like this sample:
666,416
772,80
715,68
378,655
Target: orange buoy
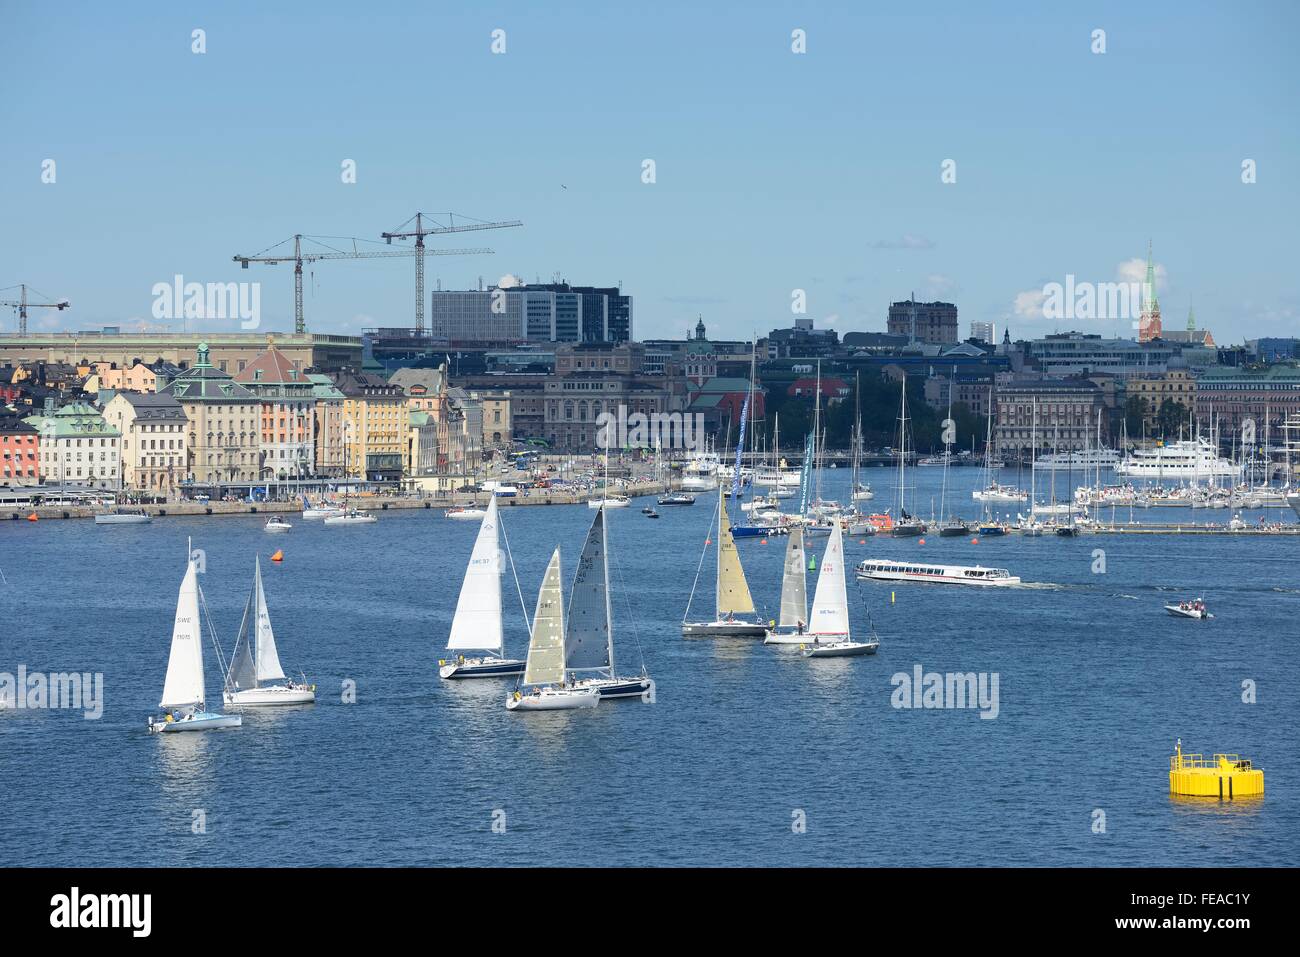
278,556
862,541
762,541
708,542
33,517
974,541
920,541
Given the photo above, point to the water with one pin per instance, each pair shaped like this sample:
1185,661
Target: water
1096,682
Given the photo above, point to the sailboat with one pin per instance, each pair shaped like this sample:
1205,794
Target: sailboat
792,625
829,631
589,633
952,526
732,595
907,526
350,515
255,659
477,624
545,672
861,492
323,510
1030,525
184,696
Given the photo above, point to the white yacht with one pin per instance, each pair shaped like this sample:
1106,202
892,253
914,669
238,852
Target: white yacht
1085,460
255,660
883,569
1186,459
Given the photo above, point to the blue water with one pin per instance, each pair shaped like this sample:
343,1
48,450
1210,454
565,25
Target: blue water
1096,682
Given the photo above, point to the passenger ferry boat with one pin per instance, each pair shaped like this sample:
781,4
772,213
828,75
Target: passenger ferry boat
883,569
1186,459
1084,461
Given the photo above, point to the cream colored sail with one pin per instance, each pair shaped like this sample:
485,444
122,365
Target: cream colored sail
184,683
733,590
546,648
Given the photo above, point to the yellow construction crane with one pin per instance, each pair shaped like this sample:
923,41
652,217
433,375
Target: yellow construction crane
418,234
22,305
300,256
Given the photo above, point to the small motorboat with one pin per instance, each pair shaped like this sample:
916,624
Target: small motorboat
465,513
651,513
276,524
676,498
352,516
1193,608
647,510
124,516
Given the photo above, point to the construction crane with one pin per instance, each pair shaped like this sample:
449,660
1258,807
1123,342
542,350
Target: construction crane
300,256
418,233
22,305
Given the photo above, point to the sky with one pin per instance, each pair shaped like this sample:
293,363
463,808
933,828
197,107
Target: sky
774,171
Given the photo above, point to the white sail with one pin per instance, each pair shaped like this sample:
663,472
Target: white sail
794,584
268,660
546,647
184,683
477,623
588,644
830,610
243,673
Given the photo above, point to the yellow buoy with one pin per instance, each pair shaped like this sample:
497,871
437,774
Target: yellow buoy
1225,776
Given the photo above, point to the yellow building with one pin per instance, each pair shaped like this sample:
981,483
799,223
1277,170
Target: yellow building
375,426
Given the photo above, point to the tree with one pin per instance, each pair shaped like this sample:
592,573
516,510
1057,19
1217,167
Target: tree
1172,417
1135,414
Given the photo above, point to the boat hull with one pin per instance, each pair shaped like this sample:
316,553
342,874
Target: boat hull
724,629
1193,613
840,649
619,687
202,721
122,519
465,515
269,696
553,699
351,520
952,531
276,528
317,514
462,668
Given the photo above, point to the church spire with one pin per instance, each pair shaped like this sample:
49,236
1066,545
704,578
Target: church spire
1191,316
1149,325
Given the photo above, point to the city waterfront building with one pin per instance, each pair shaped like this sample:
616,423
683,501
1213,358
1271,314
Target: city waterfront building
20,454
227,350
327,425
223,446
1065,411
288,414
375,424
154,431
1077,353
1227,397
77,447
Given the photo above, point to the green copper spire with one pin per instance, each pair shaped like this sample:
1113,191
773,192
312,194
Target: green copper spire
203,362
1191,317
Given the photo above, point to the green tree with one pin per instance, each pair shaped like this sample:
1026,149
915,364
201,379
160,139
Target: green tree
1135,413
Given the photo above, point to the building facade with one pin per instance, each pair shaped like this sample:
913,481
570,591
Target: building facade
932,322
224,441
20,453
77,447
154,431
288,415
1227,398
375,424
1047,414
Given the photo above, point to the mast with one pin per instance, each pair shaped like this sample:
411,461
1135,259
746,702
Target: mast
902,451
947,453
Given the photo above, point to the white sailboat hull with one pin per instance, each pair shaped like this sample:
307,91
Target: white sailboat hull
269,696
315,514
787,638
200,721
554,699
116,519
608,688
351,520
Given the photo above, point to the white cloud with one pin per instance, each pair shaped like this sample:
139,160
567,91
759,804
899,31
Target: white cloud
1029,304
1135,270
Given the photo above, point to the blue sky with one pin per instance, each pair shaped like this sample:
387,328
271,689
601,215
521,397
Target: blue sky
775,171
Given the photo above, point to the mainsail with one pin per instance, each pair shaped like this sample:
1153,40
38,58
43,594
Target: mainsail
268,660
588,644
733,590
477,623
794,584
243,674
830,610
184,683
546,648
